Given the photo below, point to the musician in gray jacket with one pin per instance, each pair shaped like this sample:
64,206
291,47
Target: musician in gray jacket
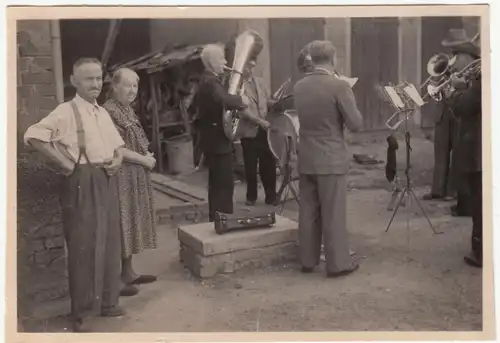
325,106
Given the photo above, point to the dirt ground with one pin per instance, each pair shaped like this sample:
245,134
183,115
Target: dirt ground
409,279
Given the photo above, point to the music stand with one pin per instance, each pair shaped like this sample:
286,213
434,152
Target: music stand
405,99
287,172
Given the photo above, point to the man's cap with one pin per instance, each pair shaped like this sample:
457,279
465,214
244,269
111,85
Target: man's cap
459,42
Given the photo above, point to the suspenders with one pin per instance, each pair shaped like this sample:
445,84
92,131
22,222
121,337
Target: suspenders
80,133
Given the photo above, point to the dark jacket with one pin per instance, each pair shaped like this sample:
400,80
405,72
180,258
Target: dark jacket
325,106
468,108
212,99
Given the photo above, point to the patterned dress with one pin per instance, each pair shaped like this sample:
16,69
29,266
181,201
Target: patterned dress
135,191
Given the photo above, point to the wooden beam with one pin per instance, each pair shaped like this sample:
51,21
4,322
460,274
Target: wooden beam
114,29
156,126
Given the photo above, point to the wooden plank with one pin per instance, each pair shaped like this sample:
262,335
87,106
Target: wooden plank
280,51
156,128
113,31
178,185
176,193
377,39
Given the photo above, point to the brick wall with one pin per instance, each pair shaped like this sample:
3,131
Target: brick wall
41,254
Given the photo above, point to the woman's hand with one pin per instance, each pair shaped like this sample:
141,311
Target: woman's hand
149,161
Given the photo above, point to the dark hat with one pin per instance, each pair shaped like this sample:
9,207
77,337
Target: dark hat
459,42
304,61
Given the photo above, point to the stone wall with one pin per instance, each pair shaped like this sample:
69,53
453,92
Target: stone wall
41,252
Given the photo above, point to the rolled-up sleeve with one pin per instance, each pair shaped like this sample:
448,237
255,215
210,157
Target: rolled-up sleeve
50,129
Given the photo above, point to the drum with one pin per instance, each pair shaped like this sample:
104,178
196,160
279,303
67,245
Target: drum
283,134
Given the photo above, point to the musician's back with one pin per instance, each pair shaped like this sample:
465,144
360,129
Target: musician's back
325,105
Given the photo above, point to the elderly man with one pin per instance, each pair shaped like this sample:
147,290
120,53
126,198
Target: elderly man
212,99
252,131
80,138
325,105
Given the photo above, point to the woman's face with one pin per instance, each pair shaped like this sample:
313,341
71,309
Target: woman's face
126,90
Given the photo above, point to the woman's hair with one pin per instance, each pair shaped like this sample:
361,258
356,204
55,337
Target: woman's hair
118,76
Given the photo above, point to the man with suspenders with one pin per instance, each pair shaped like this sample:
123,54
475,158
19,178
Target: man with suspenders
80,138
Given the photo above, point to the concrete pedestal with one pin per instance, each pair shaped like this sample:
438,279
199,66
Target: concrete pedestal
207,254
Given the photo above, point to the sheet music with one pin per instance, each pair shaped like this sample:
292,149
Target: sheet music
350,80
393,95
412,92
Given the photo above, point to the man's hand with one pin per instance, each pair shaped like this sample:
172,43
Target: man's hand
458,82
246,100
67,169
115,164
264,124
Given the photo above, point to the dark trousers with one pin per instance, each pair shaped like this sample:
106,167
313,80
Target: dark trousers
323,217
476,191
220,183
445,139
464,200
256,152
89,202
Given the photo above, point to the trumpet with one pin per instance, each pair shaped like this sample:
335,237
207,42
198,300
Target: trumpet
469,71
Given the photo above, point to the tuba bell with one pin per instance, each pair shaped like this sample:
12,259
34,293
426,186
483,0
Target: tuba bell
247,45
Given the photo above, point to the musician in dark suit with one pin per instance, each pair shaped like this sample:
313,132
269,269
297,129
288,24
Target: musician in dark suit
212,99
445,141
469,162
325,105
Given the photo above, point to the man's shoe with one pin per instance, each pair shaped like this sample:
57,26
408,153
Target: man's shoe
307,270
250,203
351,269
431,196
77,326
473,261
115,311
128,291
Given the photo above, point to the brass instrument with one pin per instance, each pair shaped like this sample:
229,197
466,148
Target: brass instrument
247,44
469,71
438,68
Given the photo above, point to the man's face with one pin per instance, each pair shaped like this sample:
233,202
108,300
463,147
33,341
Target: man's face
461,61
219,61
249,67
87,79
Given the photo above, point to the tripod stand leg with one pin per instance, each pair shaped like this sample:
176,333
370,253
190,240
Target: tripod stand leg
423,211
401,197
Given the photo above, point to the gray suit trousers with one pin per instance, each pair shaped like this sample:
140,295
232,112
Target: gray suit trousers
323,211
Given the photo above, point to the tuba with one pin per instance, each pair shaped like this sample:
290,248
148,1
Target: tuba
247,46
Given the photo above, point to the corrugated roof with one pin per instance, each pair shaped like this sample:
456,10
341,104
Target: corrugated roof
167,58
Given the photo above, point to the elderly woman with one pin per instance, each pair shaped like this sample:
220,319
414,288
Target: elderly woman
137,216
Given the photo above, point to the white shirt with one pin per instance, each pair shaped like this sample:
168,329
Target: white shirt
59,128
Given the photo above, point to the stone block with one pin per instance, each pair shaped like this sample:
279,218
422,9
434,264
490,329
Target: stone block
44,63
46,89
24,63
54,242
207,254
28,78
